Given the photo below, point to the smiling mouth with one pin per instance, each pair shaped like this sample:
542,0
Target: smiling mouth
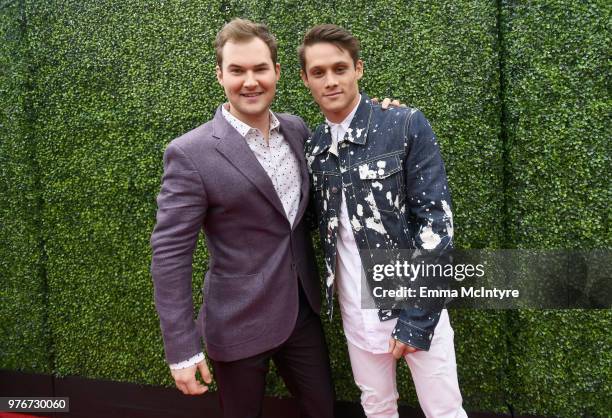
251,94
333,94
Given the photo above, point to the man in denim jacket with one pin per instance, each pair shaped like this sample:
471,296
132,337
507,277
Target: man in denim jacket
379,183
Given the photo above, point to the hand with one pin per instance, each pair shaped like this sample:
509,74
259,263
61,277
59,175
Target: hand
386,103
399,349
186,381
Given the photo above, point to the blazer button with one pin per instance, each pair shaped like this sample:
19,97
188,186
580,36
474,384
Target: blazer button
334,189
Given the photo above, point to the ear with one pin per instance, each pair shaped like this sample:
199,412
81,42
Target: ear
277,71
359,69
219,74
304,78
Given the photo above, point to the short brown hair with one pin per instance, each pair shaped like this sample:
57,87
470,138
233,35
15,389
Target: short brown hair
242,30
332,34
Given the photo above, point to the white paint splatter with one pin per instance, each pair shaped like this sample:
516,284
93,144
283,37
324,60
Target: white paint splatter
359,209
366,173
430,239
333,222
377,185
374,222
355,224
330,275
389,197
448,218
310,160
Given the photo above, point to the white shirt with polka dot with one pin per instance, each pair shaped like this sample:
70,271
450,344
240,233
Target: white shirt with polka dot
277,159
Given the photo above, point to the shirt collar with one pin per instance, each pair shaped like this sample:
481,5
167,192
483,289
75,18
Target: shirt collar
242,128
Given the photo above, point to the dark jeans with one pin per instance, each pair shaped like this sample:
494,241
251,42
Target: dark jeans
303,363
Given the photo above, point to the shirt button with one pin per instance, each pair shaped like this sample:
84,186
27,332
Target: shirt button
334,189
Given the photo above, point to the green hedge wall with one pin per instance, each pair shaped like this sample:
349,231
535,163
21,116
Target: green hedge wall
109,84
557,102
25,341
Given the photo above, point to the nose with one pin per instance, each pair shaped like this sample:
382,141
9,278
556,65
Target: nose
330,80
250,81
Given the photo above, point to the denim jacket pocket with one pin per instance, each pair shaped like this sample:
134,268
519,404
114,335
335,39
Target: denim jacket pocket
381,178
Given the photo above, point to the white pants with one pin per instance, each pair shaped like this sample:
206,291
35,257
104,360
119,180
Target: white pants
434,373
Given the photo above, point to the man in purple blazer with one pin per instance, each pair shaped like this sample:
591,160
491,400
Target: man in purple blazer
242,178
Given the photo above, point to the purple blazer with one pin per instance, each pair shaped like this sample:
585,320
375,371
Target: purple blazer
213,181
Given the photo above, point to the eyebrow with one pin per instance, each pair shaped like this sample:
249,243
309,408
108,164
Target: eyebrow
260,65
335,64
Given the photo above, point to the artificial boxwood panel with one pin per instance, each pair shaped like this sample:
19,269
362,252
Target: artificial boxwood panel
111,83
557,100
25,341
561,363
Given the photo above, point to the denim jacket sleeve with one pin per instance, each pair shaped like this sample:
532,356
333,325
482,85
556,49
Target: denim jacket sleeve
429,211
310,215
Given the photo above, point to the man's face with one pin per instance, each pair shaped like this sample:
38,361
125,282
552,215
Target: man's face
332,78
248,77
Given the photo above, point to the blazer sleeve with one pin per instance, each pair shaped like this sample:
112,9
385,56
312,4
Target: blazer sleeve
429,209
181,211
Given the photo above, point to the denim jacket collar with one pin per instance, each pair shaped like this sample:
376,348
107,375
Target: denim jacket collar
357,132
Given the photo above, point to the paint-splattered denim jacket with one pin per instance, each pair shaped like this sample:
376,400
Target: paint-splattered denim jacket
392,174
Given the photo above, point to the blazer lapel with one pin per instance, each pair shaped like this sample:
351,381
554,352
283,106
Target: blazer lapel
294,137
235,149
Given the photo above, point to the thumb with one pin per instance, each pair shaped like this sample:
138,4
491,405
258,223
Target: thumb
391,344
203,368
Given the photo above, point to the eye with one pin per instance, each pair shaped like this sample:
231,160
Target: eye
340,70
236,71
